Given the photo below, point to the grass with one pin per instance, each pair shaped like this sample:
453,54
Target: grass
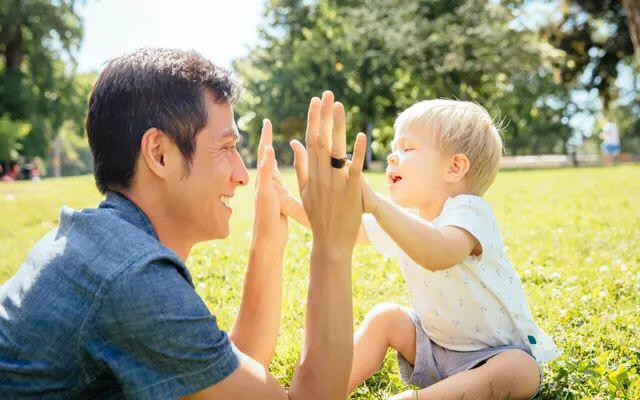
573,235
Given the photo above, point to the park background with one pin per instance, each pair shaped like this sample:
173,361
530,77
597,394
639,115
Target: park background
552,71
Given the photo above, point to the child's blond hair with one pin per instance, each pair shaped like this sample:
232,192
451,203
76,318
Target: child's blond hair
455,127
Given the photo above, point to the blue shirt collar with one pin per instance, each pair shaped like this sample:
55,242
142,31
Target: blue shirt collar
129,211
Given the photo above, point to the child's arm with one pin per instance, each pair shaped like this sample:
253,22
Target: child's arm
431,247
293,208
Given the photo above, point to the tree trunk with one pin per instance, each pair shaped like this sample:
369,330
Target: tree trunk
14,52
632,9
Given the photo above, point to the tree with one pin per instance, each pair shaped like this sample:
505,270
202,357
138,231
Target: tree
594,37
380,57
632,8
38,40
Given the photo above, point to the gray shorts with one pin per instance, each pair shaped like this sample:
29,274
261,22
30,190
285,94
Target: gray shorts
435,363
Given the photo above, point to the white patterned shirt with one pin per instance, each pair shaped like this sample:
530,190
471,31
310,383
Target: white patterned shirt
478,303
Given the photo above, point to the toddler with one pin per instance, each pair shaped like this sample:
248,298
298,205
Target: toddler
470,333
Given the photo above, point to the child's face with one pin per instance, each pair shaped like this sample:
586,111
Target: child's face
416,171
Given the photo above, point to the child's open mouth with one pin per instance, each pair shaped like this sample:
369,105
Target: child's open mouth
394,178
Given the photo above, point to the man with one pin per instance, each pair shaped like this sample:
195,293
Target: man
104,305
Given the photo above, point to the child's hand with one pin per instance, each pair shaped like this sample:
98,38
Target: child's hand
289,204
370,198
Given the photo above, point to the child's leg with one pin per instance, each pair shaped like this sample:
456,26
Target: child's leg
386,325
510,375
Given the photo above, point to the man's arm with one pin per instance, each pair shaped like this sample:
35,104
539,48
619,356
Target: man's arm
432,248
333,201
255,330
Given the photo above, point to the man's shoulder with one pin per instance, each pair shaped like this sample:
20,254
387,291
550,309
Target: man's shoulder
108,240
90,248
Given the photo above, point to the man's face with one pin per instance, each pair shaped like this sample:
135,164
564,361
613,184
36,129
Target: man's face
416,170
216,171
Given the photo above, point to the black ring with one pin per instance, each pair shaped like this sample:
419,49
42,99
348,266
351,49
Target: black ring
338,162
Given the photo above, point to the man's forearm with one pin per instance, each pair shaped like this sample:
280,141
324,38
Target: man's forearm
255,331
327,353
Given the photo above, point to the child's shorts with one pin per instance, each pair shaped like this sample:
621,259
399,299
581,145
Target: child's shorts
435,363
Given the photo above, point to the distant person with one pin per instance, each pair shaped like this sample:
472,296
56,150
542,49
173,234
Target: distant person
13,174
470,333
610,136
27,171
35,174
35,169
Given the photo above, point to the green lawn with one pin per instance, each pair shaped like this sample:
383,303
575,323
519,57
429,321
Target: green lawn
573,235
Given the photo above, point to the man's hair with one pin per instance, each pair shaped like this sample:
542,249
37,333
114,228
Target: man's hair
150,88
455,126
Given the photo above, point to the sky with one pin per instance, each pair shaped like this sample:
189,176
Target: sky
220,30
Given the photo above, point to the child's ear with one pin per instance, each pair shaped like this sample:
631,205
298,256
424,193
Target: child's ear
458,167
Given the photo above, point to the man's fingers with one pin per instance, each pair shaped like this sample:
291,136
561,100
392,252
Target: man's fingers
326,120
266,138
359,152
265,172
300,163
313,124
339,137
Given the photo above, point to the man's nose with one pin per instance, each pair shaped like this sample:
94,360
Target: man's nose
392,159
240,175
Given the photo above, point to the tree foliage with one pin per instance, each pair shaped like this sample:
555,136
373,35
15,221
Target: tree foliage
38,40
379,57
595,39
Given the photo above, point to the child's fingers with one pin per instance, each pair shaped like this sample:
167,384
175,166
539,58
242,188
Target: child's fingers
300,163
277,177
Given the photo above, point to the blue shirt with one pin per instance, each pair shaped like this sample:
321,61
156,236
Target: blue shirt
101,309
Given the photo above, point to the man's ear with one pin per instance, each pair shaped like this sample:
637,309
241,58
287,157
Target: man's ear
458,167
153,148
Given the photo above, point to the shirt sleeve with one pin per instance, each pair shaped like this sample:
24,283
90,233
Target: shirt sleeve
474,214
380,240
156,337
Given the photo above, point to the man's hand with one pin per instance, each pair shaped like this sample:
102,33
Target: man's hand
255,330
270,223
332,197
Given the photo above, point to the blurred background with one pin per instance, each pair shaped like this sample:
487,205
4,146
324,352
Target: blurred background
560,75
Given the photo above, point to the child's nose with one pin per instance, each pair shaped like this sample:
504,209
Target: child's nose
392,159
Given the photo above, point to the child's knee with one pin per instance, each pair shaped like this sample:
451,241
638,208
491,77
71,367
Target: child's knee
387,314
527,370
391,318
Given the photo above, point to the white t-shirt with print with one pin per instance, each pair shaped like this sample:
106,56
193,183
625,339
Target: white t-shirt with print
478,303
